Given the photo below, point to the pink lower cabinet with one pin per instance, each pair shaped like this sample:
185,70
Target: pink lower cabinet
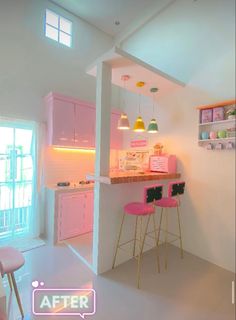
75,214
89,206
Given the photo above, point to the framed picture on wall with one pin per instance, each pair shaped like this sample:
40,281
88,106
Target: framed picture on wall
206,115
218,114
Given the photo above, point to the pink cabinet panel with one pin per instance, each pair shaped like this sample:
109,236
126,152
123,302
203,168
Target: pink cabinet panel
75,214
89,211
85,126
63,126
70,215
72,123
116,139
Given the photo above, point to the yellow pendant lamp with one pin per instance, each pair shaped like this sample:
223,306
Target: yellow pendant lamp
153,127
123,122
139,124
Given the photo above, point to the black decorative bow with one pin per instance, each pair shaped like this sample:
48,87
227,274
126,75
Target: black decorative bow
154,194
177,188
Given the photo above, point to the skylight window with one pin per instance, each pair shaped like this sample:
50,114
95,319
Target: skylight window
58,28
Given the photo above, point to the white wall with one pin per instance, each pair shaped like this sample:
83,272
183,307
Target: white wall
197,46
31,65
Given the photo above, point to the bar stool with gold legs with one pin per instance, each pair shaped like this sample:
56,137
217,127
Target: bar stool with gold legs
10,261
175,189
140,210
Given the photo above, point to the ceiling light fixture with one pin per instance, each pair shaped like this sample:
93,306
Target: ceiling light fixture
139,124
153,127
123,123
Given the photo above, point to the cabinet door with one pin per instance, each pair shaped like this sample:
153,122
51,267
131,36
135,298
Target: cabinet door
116,139
63,123
71,211
85,126
89,207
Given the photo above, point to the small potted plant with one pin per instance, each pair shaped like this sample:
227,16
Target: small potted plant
158,149
231,113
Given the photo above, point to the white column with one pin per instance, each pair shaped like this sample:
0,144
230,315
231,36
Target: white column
102,164
103,116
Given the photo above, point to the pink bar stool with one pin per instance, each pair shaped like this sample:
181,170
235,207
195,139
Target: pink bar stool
175,189
140,210
10,261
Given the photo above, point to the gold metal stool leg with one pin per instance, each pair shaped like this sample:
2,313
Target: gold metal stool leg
159,230
17,294
157,250
135,236
141,252
166,239
180,235
9,280
118,241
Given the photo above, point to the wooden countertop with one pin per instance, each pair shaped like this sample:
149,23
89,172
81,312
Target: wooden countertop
129,177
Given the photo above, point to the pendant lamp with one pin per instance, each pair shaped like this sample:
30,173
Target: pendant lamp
153,127
139,124
123,122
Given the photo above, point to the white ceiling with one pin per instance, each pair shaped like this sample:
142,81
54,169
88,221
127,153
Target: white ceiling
104,13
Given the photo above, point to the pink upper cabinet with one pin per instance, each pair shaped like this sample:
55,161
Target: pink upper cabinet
85,126
60,132
72,123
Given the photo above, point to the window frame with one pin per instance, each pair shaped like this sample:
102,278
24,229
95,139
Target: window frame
58,28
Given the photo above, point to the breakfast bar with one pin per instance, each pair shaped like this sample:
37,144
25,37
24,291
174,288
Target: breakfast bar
130,177
118,189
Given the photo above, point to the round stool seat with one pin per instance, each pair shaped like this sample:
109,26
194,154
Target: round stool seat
10,260
167,202
139,209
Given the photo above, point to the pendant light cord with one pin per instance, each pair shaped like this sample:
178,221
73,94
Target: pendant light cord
139,109
124,96
153,105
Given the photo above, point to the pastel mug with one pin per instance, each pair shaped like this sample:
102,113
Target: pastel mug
221,134
213,135
204,135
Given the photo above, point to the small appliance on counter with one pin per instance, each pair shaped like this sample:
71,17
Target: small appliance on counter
74,184
163,163
82,182
63,184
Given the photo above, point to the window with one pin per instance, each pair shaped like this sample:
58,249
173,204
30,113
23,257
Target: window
58,28
17,181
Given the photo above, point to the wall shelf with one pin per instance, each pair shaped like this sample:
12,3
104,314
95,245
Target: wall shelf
202,141
217,105
209,112
218,122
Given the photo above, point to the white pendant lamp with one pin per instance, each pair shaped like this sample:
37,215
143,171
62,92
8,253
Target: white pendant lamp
153,127
123,122
139,124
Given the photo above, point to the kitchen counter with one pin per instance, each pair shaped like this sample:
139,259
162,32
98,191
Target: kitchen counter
129,177
71,187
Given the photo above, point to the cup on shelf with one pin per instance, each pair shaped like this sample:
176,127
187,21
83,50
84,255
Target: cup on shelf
213,135
221,134
204,135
